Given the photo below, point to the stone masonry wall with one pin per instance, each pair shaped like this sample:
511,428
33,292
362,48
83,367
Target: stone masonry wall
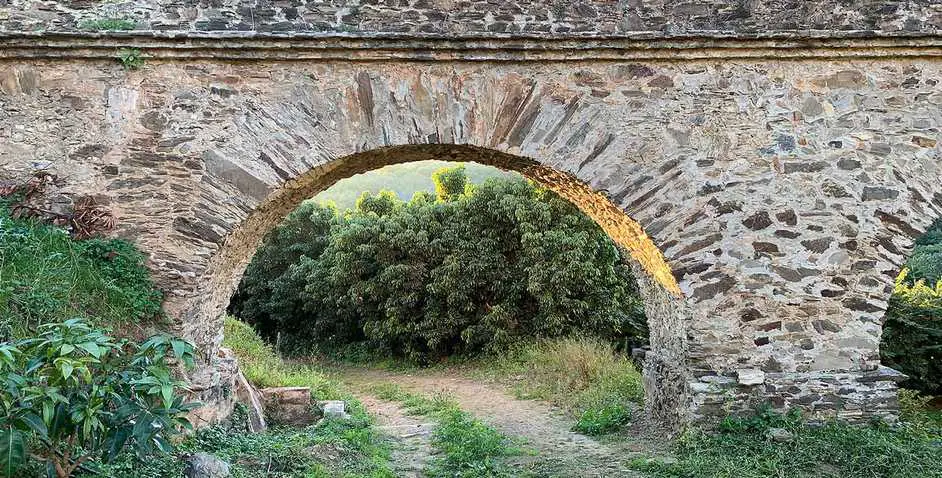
784,196
538,17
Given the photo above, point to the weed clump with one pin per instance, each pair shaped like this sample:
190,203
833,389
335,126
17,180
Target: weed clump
583,375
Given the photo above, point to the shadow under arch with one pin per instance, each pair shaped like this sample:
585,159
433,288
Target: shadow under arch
665,371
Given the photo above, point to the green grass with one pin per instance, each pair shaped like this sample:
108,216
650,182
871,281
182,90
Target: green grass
743,449
47,276
469,448
596,385
262,366
107,24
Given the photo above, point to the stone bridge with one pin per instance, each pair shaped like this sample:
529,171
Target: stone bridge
767,164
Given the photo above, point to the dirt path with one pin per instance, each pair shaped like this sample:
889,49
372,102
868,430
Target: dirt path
556,450
411,436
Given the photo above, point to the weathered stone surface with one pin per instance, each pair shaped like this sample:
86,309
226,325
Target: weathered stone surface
334,409
248,396
292,406
765,204
489,17
204,465
750,377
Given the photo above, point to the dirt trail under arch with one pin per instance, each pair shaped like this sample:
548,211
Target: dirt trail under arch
551,448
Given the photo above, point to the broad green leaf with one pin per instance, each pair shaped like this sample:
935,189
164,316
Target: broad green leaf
33,422
65,367
166,391
92,348
179,347
66,349
12,452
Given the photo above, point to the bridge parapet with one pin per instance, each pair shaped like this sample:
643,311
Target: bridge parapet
485,17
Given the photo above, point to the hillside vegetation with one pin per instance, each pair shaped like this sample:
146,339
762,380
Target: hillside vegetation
403,180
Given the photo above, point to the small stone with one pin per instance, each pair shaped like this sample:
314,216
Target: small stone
848,164
750,376
779,435
787,217
758,221
876,193
204,465
334,409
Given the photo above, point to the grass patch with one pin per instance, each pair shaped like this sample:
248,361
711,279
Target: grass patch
107,24
262,366
744,449
46,276
585,376
469,448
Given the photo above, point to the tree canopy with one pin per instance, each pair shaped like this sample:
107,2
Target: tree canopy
472,268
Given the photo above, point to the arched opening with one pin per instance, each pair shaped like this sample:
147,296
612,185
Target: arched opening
665,372
911,342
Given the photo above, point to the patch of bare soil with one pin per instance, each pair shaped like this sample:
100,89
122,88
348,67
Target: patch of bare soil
551,448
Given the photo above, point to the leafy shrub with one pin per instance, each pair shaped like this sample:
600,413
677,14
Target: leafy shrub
47,275
606,419
912,334
82,396
475,268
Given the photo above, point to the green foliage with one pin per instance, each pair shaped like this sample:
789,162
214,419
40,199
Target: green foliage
82,397
450,183
915,409
582,375
406,180
469,448
108,24
45,276
926,260
476,270
130,58
743,449
912,333
269,291
332,448
603,420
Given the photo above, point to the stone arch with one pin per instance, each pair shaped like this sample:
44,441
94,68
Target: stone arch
783,195
666,375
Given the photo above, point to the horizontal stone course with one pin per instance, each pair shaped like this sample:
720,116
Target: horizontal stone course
483,17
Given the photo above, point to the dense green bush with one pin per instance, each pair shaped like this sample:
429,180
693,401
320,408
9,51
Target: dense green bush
46,276
470,269
73,396
912,333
